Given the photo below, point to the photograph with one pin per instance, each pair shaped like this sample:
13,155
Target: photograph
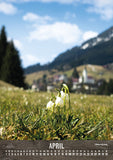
56,79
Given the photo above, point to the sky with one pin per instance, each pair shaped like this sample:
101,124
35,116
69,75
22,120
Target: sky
43,29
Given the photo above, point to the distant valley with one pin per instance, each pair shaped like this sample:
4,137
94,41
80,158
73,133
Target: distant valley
96,71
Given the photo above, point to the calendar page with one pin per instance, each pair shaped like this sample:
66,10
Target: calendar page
56,79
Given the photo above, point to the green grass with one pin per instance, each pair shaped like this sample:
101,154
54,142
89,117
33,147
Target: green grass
23,116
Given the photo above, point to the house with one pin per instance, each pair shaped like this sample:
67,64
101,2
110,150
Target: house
60,78
50,80
34,87
56,78
75,82
50,88
63,78
90,80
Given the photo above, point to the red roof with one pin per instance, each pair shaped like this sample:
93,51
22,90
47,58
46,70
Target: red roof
75,79
89,77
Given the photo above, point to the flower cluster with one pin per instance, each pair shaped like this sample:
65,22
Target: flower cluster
60,99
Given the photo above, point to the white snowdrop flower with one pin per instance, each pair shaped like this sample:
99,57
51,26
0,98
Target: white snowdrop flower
1,131
59,102
75,102
64,96
26,103
50,105
9,89
85,96
81,97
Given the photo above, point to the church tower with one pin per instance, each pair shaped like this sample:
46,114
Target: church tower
84,75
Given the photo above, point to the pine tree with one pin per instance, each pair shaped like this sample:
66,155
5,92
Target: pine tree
11,70
3,46
75,73
110,87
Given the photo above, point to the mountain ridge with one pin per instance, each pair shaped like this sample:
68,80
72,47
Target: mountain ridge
102,37
98,51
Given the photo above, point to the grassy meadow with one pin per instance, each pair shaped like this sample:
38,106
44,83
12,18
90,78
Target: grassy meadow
24,116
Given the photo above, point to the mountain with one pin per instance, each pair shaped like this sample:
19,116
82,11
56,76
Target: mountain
35,68
97,51
101,38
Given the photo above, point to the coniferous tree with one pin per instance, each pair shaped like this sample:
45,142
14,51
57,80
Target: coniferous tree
75,73
70,84
3,46
102,89
11,70
110,87
44,81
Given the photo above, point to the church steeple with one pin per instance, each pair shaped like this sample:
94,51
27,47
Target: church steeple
84,74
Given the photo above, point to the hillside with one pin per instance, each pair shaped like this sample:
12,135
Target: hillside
6,85
96,51
95,71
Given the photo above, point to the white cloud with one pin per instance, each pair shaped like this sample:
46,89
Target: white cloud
18,44
47,1
99,3
106,13
89,34
102,7
32,59
31,17
7,8
59,1
65,33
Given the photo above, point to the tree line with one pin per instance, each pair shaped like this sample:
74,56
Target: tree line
106,88
11,70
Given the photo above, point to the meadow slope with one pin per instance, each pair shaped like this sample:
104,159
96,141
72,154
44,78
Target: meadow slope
23,115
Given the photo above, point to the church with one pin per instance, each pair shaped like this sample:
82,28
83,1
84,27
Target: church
85,79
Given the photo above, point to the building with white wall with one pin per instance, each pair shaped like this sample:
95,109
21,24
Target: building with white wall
84,78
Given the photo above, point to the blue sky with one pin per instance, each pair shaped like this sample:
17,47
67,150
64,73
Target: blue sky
42,29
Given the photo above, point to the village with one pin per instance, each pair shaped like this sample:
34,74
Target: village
78,84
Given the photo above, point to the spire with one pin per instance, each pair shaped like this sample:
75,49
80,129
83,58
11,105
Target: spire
84,74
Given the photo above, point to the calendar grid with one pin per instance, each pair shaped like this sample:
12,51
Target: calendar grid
55,152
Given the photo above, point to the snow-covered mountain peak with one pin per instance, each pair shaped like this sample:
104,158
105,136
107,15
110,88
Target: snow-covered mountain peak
103,37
